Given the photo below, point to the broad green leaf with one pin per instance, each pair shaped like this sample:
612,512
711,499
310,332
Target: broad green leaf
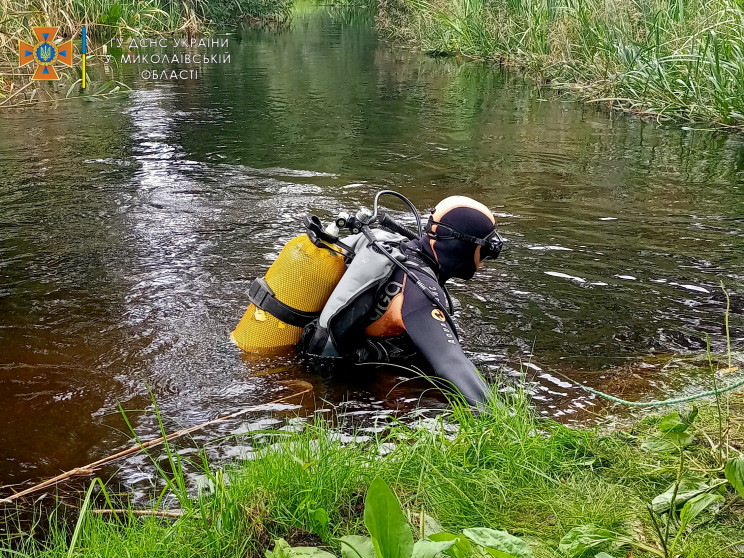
580,539
354,546
667,441
697,505
735,474
283,550
386,523
429,549
499,541
602,555
320,516
688,489
309,552
672,423
461,548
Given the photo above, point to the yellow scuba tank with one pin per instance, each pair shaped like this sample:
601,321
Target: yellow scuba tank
293,292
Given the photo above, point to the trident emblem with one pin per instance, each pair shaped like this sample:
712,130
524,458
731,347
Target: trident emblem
45,53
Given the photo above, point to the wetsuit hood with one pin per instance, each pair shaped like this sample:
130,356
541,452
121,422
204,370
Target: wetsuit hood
454,257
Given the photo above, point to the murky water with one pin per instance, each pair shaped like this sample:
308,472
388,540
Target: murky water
130,230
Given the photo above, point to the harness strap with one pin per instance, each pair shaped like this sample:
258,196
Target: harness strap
427,263
414,278
264,298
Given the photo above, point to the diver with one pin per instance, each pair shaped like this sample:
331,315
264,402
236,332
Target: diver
383,311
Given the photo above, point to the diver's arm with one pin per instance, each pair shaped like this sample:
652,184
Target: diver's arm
437,343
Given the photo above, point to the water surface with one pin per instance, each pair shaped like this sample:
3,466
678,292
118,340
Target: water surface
131,228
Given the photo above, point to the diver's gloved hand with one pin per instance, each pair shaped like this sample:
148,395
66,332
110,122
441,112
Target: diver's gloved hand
323,365
384,349
370,351
312,340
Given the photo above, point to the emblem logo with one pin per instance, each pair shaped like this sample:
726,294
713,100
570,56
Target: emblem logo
437,314
45,53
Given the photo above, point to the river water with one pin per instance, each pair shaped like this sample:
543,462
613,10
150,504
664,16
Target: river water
131,228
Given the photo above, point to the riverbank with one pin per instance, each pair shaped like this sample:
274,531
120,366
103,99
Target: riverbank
104,20
562,491
682,59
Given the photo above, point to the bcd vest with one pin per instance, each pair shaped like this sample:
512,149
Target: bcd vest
339,329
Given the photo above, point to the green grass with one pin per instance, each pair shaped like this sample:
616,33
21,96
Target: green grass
681,58
505,469
105,19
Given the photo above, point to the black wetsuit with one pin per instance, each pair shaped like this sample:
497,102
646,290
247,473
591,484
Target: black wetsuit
396,318
431,334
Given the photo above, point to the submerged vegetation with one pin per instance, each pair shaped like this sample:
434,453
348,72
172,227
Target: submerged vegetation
504,483
681,58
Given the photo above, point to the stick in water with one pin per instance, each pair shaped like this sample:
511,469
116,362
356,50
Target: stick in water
91,467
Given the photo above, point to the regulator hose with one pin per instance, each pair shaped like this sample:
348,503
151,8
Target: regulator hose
388,223
414,211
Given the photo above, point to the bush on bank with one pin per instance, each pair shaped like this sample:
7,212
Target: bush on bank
554,487
105,19
667,57
108,18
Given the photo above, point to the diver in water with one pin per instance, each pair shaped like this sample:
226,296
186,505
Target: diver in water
380,312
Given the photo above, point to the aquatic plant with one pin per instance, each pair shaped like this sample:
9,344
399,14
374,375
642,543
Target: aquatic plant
391,537
551,486
662,486
674,511
682,58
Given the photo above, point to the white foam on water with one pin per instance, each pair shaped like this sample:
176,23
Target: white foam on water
556,381
692,288
554,248
565,276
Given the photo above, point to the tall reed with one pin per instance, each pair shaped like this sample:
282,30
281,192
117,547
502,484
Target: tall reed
105,19
667,57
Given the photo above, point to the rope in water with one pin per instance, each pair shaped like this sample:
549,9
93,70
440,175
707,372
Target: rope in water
665,402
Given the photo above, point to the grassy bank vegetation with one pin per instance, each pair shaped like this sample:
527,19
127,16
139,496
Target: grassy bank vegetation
105,19
665,57
555,490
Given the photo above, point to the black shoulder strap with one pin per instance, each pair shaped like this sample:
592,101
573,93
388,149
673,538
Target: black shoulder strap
414,278
427,264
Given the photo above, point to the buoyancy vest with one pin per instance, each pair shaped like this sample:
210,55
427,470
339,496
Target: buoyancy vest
341,324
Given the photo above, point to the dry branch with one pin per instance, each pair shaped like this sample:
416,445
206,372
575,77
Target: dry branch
91,467
175,514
